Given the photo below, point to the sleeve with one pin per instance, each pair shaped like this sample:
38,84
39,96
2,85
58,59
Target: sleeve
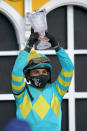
18,84
64,79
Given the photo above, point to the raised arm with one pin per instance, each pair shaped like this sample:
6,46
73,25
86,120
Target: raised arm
18,84
64,79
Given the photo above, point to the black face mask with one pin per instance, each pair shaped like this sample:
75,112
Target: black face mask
39,81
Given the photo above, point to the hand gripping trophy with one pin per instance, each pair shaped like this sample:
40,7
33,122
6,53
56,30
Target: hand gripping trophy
38,21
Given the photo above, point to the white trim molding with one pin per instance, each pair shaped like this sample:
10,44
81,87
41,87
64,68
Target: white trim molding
58,3
27,8
17,21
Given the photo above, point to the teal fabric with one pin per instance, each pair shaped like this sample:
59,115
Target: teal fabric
51,122
42,64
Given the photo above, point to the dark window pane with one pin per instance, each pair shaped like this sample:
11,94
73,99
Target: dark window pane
8,40
6,66
56,67
64,126
57,24
80,22
81,73
7,112
81,115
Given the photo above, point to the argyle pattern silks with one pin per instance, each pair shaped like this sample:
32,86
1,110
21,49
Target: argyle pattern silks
41,106
44,113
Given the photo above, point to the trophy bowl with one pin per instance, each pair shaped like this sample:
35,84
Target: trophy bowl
38,21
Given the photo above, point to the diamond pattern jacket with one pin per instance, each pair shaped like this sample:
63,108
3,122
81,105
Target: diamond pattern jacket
44,112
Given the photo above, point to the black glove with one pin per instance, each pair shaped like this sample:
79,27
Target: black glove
53,42
51,39
31,41
33,38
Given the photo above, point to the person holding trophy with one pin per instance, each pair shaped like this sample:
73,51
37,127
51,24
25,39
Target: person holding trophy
38,100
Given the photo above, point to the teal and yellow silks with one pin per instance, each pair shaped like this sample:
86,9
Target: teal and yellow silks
44,112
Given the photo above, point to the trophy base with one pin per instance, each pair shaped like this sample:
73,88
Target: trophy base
43,45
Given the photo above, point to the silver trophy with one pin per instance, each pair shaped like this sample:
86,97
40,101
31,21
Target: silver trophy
38,21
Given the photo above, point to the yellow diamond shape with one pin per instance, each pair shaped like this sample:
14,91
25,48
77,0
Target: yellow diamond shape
55,105
25,106
41,107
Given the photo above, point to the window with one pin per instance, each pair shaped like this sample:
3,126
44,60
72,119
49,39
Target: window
8,53
68,23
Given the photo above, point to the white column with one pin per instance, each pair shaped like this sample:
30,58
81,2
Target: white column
27,8
70,40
